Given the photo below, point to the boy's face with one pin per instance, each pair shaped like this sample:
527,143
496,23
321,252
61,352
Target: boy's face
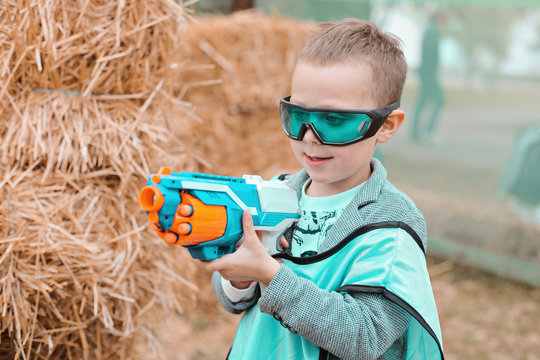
333,169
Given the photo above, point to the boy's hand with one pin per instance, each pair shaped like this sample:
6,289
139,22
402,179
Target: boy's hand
249,262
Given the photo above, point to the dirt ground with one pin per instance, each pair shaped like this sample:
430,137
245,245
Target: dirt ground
482,317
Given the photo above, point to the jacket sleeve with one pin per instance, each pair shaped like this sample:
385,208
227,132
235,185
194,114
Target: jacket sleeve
228,305
351,326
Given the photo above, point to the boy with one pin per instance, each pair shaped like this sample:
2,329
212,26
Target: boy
352,282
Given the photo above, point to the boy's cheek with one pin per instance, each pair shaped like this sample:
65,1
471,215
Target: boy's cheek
297,150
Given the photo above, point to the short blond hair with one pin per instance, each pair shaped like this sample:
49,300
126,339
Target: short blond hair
354,41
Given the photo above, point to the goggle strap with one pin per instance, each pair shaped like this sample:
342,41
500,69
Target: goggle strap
391,107
377,123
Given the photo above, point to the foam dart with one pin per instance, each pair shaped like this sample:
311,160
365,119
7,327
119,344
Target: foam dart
164,170
169,237
185,210
183,229
176,235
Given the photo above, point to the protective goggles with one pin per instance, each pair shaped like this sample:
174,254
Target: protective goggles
332,126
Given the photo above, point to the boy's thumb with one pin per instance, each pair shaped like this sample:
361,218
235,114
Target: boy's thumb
247,221
248,227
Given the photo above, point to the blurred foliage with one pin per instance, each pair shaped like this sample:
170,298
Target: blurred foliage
213,6
483,33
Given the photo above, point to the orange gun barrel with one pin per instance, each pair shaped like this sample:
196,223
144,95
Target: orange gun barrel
194,221
151,199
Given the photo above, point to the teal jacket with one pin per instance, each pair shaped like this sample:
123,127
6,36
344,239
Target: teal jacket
370,273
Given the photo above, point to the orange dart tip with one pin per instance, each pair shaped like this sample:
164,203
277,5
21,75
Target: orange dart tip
184,229
170,238
185,210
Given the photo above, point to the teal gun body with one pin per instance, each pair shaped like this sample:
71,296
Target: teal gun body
204,212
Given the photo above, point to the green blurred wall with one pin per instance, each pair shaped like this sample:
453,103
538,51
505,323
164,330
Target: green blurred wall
318,10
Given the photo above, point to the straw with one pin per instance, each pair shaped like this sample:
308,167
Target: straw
87,101
94,96
69,264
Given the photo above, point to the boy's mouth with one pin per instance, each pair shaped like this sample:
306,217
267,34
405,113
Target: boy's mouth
314,161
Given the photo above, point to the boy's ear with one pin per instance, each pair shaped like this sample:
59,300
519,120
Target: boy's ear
390,126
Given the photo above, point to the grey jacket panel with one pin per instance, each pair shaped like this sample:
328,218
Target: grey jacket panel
348,326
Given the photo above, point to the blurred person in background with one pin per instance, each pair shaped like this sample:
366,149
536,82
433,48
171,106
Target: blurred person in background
430,91
521,178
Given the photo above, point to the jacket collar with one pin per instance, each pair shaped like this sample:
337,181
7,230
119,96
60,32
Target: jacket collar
367,194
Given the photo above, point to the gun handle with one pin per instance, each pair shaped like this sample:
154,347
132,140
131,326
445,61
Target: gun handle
212,250
271,241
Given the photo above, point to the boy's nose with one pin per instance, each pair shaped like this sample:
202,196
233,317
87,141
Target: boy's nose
310,137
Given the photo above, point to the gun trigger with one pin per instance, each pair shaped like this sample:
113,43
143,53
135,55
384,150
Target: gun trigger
170,238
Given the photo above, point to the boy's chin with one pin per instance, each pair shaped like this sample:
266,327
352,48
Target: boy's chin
336,181
319,178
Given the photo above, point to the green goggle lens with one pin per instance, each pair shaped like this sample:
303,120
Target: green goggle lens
331,126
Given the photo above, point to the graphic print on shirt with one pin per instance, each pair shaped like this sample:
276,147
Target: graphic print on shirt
311,230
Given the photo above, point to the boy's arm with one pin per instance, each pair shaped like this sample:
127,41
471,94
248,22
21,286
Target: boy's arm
250,262
241,300
358,326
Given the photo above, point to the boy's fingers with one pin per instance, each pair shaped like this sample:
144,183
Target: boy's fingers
217,264
284,242
210,265
207,265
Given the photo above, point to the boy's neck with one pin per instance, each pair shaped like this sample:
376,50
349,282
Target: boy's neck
316,189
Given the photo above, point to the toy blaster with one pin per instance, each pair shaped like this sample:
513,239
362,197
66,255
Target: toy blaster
204,212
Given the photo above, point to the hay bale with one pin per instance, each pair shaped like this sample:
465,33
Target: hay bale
254,56
88,98
119,54
94,95
77,268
